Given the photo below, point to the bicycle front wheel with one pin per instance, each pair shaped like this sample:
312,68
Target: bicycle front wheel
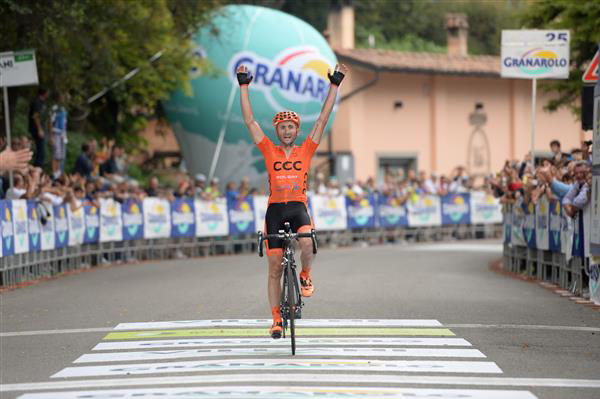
291,288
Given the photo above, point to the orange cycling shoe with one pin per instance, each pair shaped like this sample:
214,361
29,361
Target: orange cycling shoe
277,329
306,285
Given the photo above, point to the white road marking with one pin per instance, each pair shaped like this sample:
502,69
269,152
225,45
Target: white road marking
285,392
266,322
304,377
277,351
301,342
48,332
526,327
456,247
412,366
483,326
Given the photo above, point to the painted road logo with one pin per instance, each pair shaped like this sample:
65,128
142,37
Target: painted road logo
536,62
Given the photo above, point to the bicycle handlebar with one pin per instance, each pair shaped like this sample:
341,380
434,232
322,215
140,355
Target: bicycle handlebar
286,236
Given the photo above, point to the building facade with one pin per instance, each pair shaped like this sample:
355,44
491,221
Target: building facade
433,112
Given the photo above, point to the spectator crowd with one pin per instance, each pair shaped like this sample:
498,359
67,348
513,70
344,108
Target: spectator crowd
566,177
100,171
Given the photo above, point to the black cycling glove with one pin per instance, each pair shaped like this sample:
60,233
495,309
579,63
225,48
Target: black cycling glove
244,78
335,78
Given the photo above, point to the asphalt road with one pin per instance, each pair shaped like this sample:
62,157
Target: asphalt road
512,339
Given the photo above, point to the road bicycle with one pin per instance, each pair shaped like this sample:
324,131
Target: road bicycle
291,300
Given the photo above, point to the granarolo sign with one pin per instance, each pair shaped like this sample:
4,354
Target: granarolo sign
535,54
289,60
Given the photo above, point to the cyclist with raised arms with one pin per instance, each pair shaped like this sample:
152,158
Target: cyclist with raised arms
288,166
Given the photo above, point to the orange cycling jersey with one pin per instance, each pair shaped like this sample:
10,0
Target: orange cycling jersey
288,176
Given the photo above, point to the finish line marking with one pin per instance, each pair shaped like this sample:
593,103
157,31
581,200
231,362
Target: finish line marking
277,351
254,342
302,377
266,322
412,366
285,392
483,326
241,332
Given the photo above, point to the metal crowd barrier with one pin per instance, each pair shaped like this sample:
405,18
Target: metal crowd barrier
551,267
21,268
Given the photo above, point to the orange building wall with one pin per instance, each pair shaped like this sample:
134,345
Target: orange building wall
368,125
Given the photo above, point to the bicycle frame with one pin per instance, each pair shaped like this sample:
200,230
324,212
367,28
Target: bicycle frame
291,301
289,271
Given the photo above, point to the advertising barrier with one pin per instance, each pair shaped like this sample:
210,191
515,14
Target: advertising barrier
183,221
92,224
390,213
21,230
47,227
361,212
241,215
133,219
28,226
211,218
111,220
157,218
35,228
424,210
329,212
61,226
76,225
456,209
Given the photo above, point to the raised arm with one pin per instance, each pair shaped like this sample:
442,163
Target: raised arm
244,80
335,79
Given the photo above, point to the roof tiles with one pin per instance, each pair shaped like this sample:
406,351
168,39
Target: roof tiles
399,61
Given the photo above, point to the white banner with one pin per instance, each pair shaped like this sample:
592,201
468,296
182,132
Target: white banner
211,218
506,223
21,231
518,219
48,236
594,221
111,222
260,210
567,229
76,225
18,68
424,210
485,208
157,218
535,54
329,212
542,224
587,213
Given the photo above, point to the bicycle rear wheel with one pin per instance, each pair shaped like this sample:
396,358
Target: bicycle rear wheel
291,306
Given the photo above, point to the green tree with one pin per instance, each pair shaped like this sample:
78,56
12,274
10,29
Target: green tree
582,19
411,25
84,46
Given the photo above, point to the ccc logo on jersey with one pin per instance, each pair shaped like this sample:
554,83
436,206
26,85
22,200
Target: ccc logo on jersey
287,165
